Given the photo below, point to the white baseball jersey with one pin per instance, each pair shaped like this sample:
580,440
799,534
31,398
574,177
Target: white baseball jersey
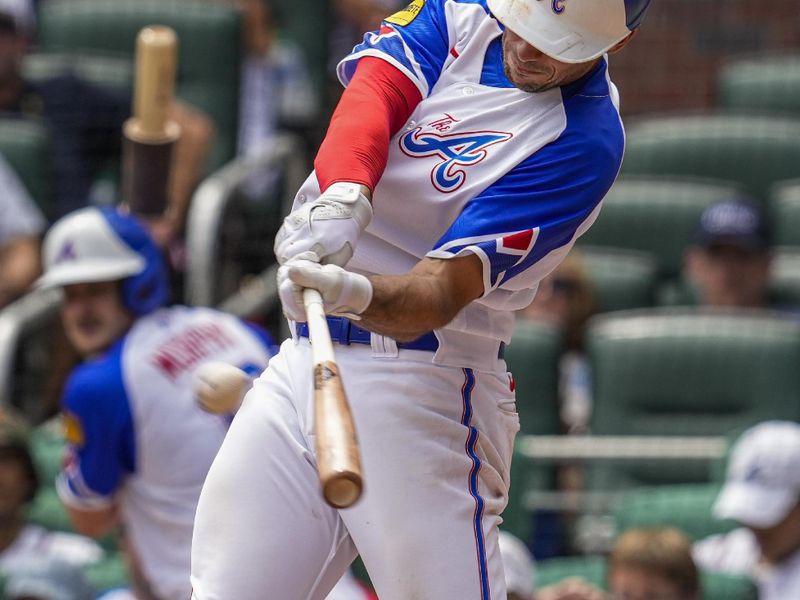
137,433
737,553
481,167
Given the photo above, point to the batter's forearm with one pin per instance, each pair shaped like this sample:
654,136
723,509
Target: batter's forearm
405,307
428,297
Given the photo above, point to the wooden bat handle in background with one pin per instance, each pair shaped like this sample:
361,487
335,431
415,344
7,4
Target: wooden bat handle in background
149,134
338,460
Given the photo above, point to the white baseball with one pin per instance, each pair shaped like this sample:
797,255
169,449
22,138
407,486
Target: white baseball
220,387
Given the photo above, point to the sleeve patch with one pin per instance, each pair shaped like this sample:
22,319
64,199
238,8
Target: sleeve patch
408,14
73,430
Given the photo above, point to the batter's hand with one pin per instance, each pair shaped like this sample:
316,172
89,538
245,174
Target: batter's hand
329,227
344,293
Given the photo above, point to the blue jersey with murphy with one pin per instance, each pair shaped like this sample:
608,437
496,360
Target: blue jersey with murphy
515,176
136,433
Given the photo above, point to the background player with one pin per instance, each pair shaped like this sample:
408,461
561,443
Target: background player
139,444
487,141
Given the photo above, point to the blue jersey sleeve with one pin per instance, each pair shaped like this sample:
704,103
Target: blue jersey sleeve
99,431
415,40
518,224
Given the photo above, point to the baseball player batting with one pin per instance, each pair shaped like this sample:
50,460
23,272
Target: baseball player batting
474,143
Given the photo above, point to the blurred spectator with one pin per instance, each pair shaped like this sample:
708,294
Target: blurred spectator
276,90
21,227
519,567
729,262
352,19
139,444
20,540
565,298
43,578
762,493
644,564
85,125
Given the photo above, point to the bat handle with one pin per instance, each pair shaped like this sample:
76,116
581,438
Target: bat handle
338,460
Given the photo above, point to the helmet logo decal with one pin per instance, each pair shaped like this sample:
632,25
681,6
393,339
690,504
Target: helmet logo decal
67,252
453,149
557,5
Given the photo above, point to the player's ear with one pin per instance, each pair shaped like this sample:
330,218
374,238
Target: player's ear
623,42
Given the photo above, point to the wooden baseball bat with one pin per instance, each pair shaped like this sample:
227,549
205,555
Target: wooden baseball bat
150,135
338,460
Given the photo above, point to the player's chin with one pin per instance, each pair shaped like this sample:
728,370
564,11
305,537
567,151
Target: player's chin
530,82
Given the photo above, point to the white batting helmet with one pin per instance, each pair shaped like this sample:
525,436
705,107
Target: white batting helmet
102,244
571,31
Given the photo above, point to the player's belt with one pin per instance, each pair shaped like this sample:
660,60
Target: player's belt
345,332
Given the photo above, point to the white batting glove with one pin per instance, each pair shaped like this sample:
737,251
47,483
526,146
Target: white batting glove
329,227
344,294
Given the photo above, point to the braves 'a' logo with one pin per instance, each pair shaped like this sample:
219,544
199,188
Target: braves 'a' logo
455,149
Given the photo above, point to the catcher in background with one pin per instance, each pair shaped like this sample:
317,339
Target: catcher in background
485,135
139,445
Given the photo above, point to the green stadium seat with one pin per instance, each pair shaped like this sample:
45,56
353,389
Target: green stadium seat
532,357
784,213
688,372
25,144
687,507
592,569
209,48
657,215
753,151
621,279
785,277
768,84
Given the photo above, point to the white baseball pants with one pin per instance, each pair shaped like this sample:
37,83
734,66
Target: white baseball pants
436,446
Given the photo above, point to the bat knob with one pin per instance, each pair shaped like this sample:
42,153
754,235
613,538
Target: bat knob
343,490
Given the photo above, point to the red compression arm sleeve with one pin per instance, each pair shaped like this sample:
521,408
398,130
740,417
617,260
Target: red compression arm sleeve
375,105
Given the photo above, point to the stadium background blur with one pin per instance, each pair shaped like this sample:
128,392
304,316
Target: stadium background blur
637,434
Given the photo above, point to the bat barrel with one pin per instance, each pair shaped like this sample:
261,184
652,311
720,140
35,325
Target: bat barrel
338,460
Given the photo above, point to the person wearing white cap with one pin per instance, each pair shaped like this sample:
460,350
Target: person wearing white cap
139,442
762,493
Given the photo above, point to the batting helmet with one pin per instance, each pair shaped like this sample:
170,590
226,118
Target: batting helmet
571,31
102,244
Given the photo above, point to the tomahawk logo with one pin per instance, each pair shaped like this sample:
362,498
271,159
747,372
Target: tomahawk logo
67,252
455,150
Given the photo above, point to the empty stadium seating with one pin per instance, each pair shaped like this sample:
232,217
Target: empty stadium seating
685,506
532,358
621,279
765,84
681,372
753,151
